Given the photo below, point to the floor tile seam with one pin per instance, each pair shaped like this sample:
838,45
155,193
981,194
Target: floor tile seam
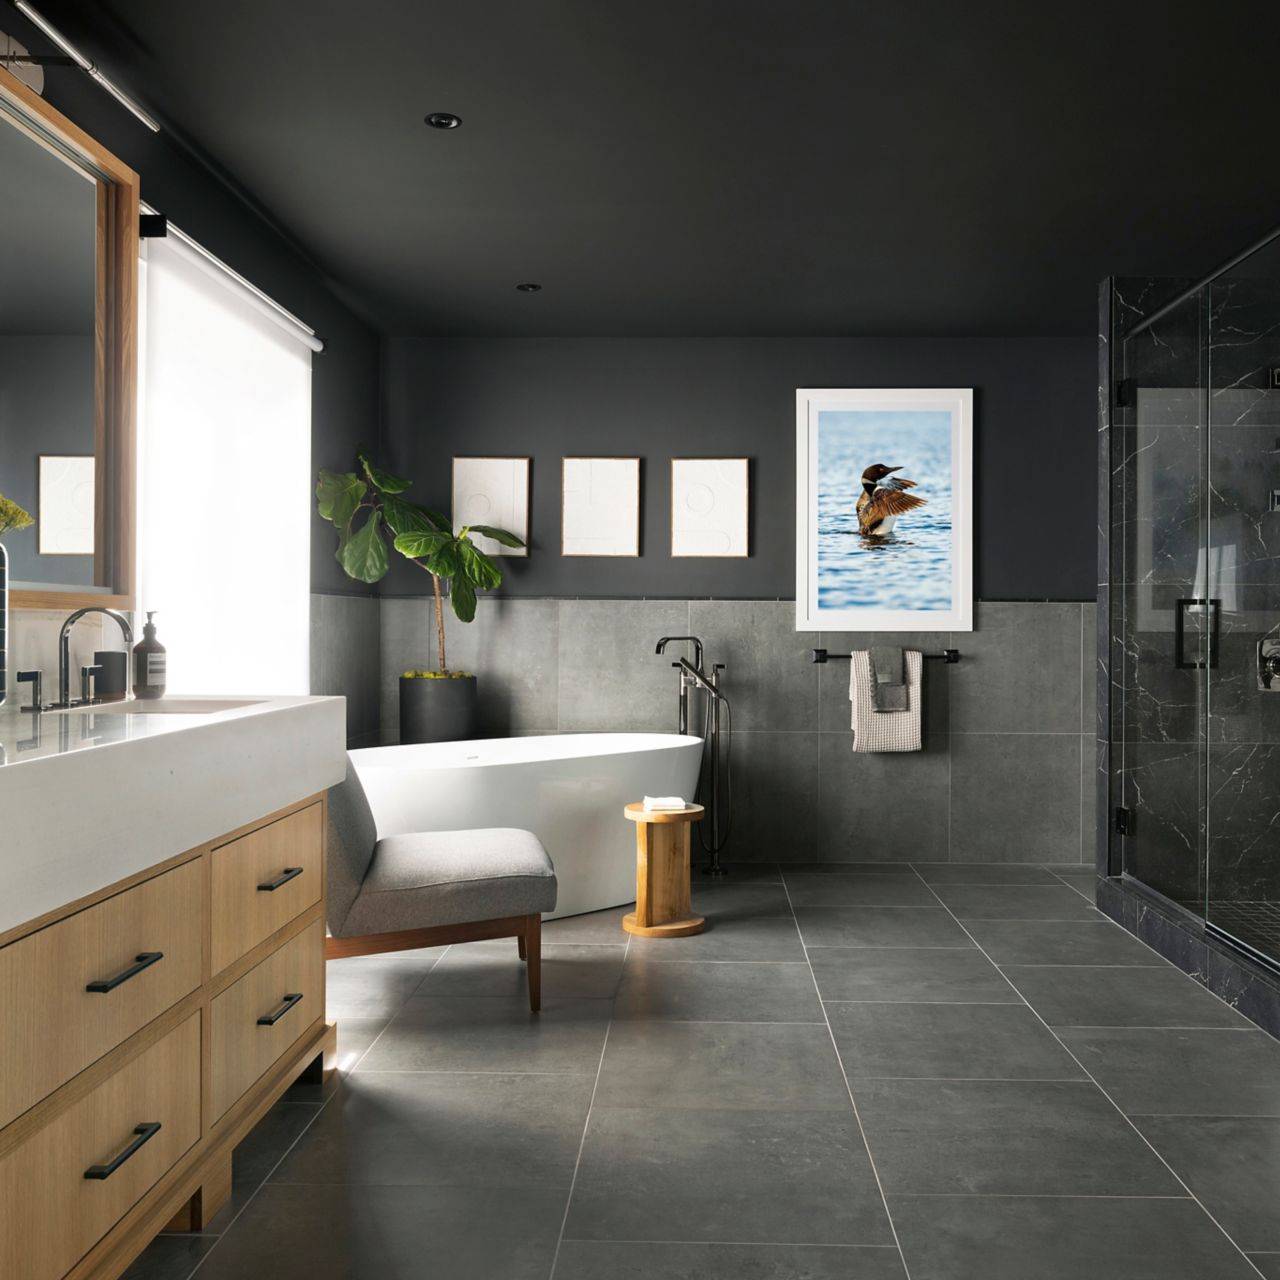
754,1244
724,1022
1125,1026
1031,1195
1115,1105
1048,964
961,1004
446,1071
582,1141
862,1133
1075,888
975,1079
1205,1115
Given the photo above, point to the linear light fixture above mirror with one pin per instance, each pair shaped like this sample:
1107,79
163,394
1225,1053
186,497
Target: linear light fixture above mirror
85,64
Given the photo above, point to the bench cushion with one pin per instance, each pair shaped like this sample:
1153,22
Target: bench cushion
452,877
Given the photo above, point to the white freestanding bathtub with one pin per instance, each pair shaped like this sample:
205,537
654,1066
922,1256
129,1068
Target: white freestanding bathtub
568,789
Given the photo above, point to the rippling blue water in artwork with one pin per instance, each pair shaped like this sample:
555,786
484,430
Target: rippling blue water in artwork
909,568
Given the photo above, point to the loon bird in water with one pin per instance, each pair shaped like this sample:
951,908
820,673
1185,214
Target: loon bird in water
883,500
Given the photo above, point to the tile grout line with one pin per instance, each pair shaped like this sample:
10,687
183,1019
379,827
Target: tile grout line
586,1124
253,1195
835,1048
1093,1080
1082,739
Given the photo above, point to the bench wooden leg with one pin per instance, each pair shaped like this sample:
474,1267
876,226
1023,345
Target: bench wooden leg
521,948
533,956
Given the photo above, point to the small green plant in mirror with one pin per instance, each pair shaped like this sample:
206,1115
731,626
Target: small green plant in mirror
12,516
371,515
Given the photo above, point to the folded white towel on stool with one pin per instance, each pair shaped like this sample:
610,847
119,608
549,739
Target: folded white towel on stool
663,804
884,730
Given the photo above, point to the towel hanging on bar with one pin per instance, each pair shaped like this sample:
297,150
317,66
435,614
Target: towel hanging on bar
873,730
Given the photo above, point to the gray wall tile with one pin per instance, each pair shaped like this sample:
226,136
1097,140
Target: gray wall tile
775,797
768,676
1020,670
346,659
881,808
609,676
1015,797
1089,668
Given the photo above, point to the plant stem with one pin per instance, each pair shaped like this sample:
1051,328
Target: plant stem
435,583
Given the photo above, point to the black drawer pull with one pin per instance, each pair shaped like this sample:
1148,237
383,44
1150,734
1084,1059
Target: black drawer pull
143,1134
270,1019
283,878
143,961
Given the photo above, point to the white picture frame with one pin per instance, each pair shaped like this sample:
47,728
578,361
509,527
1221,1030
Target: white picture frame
600,507
710,507
492,491
65,514
851,575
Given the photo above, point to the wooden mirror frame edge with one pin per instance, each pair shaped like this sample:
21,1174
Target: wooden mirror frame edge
116,359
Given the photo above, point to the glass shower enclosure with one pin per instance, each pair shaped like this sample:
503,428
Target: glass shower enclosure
1194,596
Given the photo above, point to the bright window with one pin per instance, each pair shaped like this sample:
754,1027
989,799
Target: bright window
224,479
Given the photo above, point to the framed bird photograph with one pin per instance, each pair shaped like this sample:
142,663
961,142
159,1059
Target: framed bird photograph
884,518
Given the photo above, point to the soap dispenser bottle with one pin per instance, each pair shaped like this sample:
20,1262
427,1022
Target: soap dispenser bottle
148,663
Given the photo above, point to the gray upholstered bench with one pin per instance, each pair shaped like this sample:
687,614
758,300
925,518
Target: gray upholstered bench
432,887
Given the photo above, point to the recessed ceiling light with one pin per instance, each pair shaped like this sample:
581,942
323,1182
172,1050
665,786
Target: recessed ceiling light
529,287
443,120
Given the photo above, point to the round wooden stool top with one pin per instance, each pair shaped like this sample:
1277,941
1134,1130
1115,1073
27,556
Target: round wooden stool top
662,872
638,813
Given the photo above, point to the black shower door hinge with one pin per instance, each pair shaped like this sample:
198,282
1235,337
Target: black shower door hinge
1124,821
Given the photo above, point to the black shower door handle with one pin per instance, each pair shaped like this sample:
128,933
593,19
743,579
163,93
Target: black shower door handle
1210,659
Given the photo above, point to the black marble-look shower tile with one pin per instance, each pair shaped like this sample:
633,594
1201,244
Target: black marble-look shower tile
1244,790
1175,941
1162,788
1245,987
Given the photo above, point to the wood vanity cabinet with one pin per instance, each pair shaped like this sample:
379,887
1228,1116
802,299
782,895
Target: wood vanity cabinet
143,1032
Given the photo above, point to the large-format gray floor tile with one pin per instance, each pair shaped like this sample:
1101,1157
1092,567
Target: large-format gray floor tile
1231,1165
1081,879
879,927
491,1033
372,987
982,873
595,1259
724,901
472,1129
721,1065
792,870
695,992
773,686
1075,996
909,973
1194,1073
770,1176
1004,1138
859,891
1043,770
1082,942
172,1257
1061,1238
728,937
886,807
1015,902
992,690
355,1037
340,1232
1267,1263
596,927
948,1042
495,969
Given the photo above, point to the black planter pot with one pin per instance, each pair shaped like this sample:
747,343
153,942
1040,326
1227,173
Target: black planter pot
437,710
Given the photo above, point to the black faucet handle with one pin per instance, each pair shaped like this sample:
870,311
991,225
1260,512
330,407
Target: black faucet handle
36,680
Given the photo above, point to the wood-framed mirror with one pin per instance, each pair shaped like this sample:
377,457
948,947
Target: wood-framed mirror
68,357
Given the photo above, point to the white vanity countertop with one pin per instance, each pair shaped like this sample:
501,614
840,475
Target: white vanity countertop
89,797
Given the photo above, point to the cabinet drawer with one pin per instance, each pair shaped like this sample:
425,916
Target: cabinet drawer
244,1043
263,880
51,1214
51,1025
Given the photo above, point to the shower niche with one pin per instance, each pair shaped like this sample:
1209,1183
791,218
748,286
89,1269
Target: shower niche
1189,611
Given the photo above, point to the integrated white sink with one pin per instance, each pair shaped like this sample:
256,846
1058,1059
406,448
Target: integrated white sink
166,706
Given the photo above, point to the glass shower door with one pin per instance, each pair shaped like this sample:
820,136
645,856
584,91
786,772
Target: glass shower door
1162,661
1241,559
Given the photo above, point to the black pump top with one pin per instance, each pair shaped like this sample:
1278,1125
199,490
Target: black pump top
149,630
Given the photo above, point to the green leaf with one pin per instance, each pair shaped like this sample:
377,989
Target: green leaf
403,516
338,496
446,562
365,555
381,480
498,535
418,544
477,566
463,596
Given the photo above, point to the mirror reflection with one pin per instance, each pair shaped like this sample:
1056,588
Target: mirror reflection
48,291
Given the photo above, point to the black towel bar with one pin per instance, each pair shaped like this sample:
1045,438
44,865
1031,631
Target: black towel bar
948,656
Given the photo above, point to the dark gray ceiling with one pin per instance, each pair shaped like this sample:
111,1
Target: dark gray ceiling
726,166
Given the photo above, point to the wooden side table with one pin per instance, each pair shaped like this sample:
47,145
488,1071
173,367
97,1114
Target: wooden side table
662,873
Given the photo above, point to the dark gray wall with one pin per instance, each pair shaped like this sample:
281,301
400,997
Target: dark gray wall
1035,444
345,380
46,406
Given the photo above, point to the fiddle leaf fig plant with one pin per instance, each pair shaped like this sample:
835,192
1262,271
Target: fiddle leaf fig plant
12,516
424,537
